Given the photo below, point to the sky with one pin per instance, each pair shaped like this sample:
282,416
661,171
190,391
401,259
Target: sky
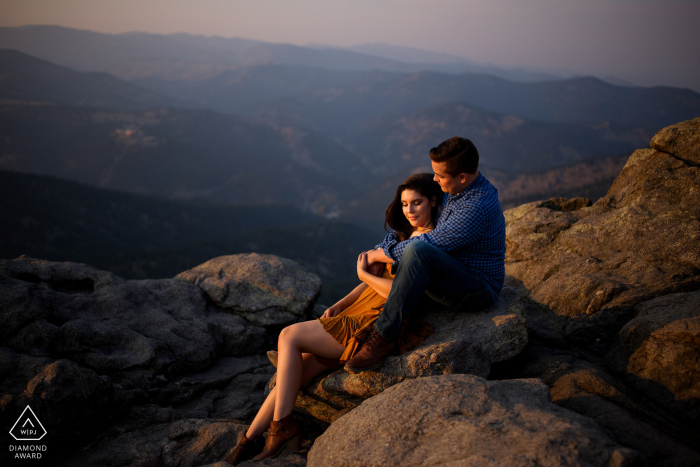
645,42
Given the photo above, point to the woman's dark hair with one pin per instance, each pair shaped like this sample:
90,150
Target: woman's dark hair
423,184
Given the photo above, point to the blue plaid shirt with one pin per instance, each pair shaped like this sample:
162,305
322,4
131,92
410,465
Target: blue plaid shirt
471,228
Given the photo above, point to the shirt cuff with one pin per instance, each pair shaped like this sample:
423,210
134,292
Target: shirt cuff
387,251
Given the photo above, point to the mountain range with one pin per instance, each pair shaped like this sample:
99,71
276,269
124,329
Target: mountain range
319,147
301,130
139,236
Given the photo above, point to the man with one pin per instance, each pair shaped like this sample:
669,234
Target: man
459,264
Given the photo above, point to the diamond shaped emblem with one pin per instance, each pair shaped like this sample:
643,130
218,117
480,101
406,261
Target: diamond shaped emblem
28,427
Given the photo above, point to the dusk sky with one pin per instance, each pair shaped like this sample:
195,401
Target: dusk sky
646,42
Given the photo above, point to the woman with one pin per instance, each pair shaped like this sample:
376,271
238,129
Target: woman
309,348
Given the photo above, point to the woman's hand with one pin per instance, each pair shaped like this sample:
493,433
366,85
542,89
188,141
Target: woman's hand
362,265
377,269
332,311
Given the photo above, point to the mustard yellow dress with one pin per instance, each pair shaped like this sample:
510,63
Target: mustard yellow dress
352,326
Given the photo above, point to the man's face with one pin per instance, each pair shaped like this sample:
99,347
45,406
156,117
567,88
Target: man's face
448,183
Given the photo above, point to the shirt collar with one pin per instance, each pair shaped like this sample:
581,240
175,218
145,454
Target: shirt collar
478,181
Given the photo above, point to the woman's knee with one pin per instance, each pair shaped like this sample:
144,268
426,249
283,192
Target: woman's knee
288,335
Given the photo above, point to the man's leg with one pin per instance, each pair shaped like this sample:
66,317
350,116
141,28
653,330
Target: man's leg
423,270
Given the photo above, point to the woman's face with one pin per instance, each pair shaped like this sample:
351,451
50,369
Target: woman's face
416,208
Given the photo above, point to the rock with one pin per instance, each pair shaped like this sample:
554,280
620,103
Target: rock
461,343
68,400
590,390
264,289
592,265
659,352
682,140
594,393
83,346
140,333
183,443
293,460
466,420
233,389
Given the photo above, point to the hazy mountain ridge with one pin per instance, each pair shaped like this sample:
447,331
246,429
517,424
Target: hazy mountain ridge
162,61
579,100
313,152
24,78
506,142
589,178
177,153
137,236
101,52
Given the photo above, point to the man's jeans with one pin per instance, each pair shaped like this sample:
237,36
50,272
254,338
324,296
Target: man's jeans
425,270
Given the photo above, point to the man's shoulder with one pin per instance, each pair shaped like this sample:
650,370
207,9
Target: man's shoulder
483,192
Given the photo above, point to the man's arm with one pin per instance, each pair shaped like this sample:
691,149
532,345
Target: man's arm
463,227
378,256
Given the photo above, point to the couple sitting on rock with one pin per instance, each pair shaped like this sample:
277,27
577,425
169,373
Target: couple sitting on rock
447,248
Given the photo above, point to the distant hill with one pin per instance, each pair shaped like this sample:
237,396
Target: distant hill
590,178
25,78
447,63
237,75
506,143
139,236
178,153
132,55
359,103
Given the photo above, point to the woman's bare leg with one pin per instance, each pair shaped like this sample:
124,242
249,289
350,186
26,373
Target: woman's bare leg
294,340
310,368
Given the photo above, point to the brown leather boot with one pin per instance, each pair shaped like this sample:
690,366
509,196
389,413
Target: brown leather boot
371,355
273,356
243,451
284,438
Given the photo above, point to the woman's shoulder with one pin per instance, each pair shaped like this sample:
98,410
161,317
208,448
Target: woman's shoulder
421,232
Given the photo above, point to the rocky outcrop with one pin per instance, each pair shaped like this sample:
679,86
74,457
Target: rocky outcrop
185,442
461,343
466,420
599,268
264,289
579,382
86,349
642,240
140,333
659,352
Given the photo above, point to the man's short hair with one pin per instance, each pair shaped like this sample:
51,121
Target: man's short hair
458,154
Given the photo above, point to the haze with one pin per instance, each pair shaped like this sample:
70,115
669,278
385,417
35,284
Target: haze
643,42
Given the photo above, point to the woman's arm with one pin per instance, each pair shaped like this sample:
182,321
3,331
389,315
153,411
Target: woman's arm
345,302
378,256
381,285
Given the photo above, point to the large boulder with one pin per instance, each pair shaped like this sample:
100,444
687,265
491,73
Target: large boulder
659,352
593,264
266,290
461,343
140,333
466,420
67,399
82,346
581,383
182,443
